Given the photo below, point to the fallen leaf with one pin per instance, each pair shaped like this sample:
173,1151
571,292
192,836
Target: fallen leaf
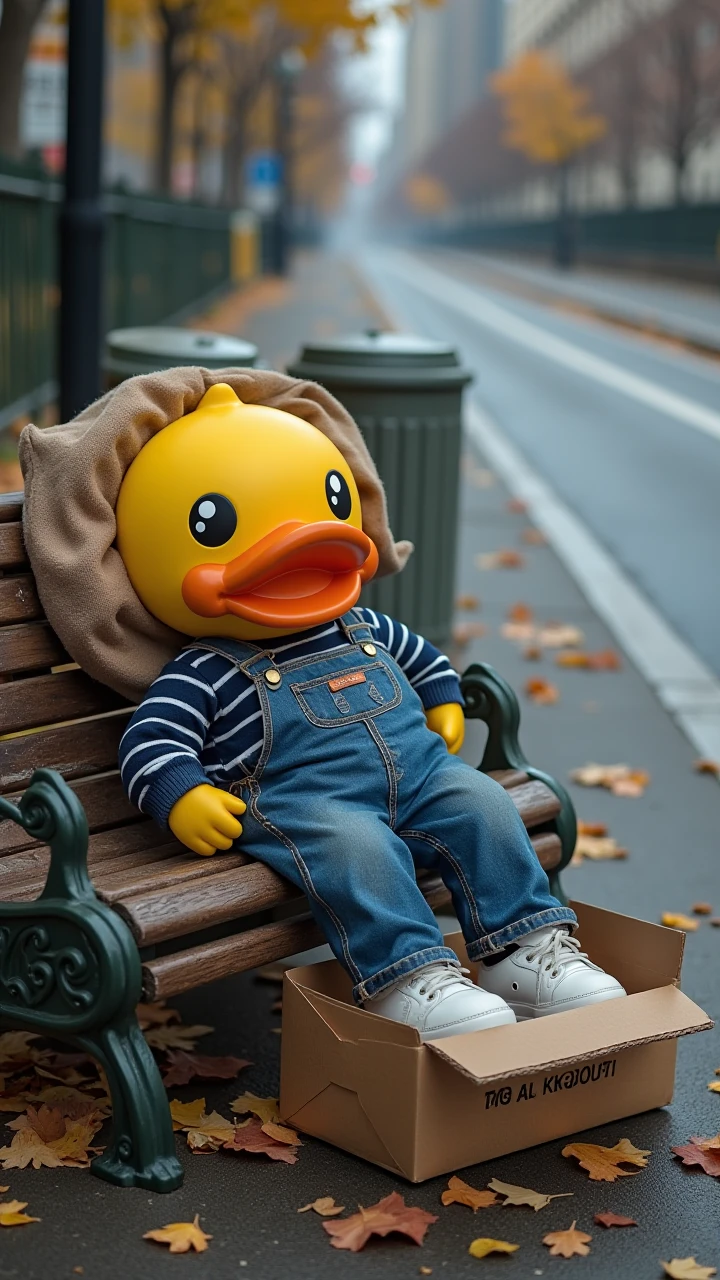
265,1108
710,1144
603,660
155,1015
210,1133
505,558
702,908
388,1215
568,1243
592,828
251,1137
183,1067
694,1152
27,1147
48,1122
597,849
610,1219
175,1037
11,1213
186,1115
523,1195
15,1048
281,1133
481,1247
602,1163
532,653
325,1206
714,1086
520,612
715,922
676,920
533,537
458,1192
618,778
687,1269
559,635
541,691
424,1271
71,1103
572,658
181,1236
707,766
520,631
464,632
518,506
467,602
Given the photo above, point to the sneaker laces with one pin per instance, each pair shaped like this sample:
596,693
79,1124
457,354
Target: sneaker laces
557,950
435,978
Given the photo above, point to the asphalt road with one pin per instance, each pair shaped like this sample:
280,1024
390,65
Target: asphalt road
643,479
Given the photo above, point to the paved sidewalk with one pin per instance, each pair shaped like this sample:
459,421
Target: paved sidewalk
672,310
249,1204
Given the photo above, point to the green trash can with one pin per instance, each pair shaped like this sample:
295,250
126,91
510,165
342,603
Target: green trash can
156,347
405,393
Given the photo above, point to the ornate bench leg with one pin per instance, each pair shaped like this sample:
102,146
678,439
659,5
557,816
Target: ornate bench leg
490,698
142,1152
69,968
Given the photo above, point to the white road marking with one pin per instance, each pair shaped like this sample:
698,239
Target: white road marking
472,303
684,685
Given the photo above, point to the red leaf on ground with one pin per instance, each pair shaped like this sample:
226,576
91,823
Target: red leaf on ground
390,1214
183,1067
609,1219
693,1153
253,1138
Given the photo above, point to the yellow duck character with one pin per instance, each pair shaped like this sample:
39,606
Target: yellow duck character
243,521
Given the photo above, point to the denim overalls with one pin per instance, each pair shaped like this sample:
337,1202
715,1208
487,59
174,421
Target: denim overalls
352,793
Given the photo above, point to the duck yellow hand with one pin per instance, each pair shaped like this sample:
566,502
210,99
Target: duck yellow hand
449,721
205,819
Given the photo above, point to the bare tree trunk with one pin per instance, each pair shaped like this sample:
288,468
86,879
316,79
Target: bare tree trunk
177,22
18,19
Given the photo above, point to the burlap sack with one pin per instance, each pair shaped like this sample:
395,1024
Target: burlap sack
73,475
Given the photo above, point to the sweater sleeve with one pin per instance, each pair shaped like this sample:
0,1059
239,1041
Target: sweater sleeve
427,669
160,750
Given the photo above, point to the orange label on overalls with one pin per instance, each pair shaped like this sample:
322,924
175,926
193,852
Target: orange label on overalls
342,682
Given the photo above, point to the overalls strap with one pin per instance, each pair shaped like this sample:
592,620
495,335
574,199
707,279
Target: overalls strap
249,658
355,628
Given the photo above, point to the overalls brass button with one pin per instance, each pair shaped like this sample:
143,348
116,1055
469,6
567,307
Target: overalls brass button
273,677
369,649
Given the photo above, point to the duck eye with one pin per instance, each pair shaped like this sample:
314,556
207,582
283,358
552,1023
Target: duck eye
338,495
213,520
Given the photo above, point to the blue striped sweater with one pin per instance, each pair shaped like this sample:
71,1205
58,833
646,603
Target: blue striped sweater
201,721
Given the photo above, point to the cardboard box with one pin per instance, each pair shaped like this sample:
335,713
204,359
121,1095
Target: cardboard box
372,1087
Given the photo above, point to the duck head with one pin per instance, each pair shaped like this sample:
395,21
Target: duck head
244,521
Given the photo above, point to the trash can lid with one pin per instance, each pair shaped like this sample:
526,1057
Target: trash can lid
148,349
380,357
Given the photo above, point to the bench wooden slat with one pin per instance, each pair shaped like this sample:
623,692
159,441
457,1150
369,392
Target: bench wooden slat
103,800
22,875
12,547
19,599
43,700
30,646
548,849
75,750
120,884
508,777
535,803
11,505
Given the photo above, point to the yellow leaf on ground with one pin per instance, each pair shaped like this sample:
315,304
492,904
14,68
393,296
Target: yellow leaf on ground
505,558
602,1163
559,636
618,778
523,1195
714,1086
568,1243
26,1149
181,1236
541,691
187,1115
172,1037
597,849
11,1214
705,1144
459,1192
265,1108
210,1133
481,1247
325,1206
676,920
155,1015
281,1133
687,1269
71,1150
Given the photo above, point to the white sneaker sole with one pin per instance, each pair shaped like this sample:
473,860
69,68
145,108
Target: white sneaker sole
526,1012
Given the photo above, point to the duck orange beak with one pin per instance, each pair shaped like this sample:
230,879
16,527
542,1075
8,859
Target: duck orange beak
296,576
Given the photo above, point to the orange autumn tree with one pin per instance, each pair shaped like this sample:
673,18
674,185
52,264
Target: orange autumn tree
235,41
547,118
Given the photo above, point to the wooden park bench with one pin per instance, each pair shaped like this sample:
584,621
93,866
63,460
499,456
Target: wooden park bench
88,927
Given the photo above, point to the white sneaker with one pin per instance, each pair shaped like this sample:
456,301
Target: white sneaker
548,973
438,1000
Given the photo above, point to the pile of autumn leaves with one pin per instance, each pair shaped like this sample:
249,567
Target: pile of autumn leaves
60,1102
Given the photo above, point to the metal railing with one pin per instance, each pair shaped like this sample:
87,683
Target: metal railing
163,260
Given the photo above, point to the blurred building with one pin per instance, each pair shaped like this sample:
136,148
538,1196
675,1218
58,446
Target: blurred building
577,31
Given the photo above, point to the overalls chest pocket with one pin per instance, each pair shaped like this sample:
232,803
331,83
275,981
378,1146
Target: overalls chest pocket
345,696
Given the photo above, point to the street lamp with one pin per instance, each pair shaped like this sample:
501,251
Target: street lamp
82,219
287,69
